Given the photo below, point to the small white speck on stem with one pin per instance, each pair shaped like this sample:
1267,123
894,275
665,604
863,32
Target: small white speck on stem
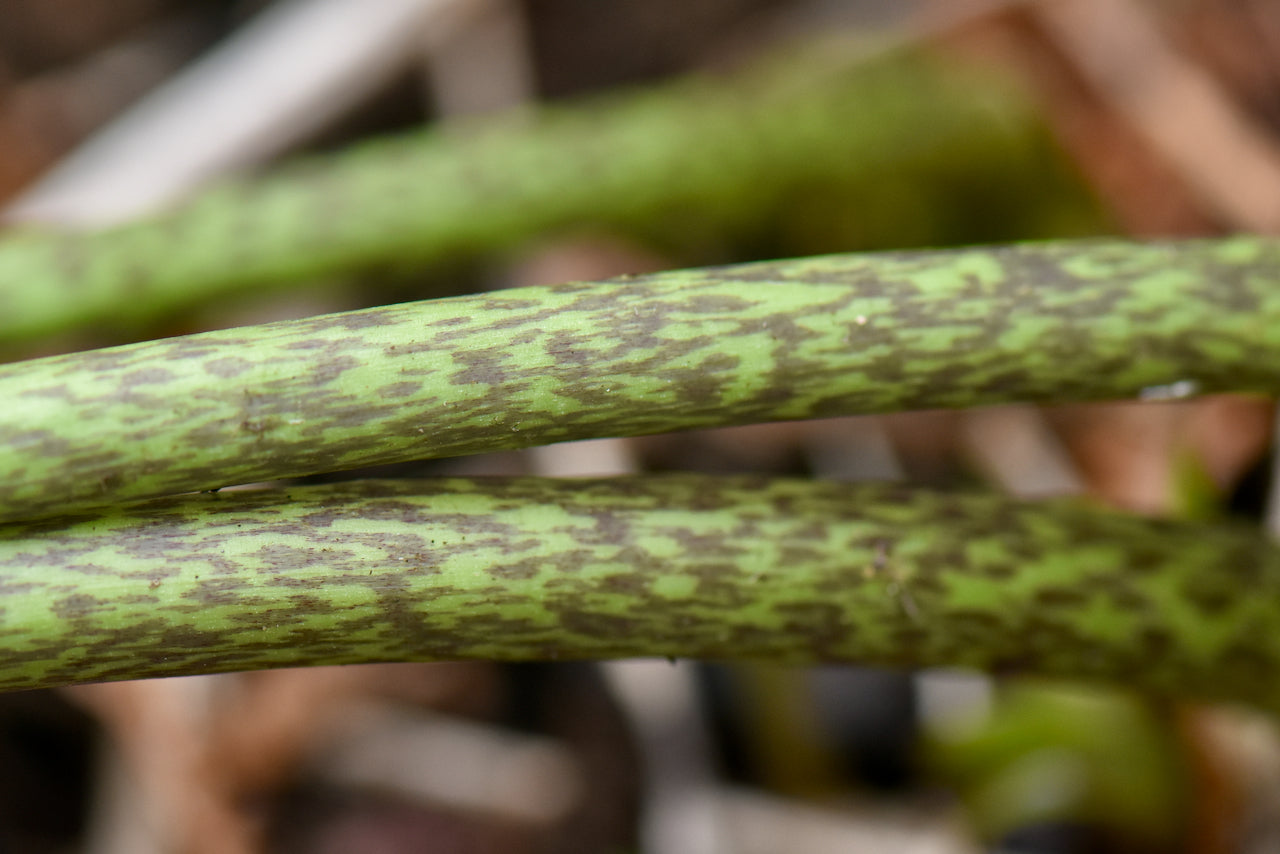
1171,391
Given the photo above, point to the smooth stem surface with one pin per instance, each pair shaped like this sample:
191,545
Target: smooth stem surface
705,155
671,351
716,568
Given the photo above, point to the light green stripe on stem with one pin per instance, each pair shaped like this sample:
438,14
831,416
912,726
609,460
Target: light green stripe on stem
671,351
734,568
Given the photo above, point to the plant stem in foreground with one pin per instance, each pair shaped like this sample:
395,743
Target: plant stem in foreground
671,351
716,568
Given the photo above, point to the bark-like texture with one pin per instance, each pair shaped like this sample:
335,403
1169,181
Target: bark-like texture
786,340
680,566
697,155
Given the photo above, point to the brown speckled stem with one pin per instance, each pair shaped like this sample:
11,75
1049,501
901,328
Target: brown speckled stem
670,351
891,143
734,568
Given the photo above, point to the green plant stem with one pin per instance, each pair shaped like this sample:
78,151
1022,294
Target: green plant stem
736,568
671,351
702,156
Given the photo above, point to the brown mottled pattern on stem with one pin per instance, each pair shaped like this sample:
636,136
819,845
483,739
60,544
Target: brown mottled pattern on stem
671,351
681,566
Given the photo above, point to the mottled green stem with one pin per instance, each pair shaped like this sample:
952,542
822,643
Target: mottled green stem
699,156
680,566
670,351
